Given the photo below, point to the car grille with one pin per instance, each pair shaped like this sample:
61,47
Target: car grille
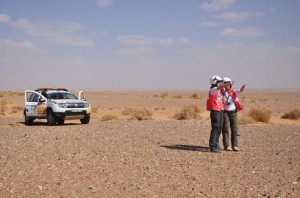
75,105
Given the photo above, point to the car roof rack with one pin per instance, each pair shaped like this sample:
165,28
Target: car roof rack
51,88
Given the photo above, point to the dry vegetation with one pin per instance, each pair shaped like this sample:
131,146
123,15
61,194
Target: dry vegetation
11,93
141,114
108,117
255,115
245,119
293,115
166,108
177,97
164,95
189,112
127,111
138,114
3,107
195,96
260,115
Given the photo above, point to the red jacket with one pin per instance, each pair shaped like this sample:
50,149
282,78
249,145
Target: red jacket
214,102
235,99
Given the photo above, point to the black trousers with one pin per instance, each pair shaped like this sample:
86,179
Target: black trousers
216,118
230,120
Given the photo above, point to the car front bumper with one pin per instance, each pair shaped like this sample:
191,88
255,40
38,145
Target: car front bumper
71,114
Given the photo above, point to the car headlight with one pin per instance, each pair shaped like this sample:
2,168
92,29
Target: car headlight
62,105
86,105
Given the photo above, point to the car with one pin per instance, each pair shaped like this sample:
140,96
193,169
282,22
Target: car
56,105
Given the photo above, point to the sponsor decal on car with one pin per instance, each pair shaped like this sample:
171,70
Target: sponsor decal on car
41,108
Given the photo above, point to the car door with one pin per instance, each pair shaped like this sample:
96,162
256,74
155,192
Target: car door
81,96
35,104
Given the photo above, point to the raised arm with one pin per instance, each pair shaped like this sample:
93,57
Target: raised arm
243,88
224,85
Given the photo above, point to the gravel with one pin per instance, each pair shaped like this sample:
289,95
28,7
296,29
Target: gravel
156,158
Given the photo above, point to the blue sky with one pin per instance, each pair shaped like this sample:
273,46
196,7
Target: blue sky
149,44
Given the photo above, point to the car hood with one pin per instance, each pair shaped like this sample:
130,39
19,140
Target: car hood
69,101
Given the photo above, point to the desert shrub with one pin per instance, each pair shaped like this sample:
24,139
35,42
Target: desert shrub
164,95
127,111
189,112
262,100
159,108
195,96
245,119
293,115
177,97
137,114
109,117
3,107
142,114
260,115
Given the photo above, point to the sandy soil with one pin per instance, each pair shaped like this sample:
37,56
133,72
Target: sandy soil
162,157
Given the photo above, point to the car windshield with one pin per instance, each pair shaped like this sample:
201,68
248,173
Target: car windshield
61,95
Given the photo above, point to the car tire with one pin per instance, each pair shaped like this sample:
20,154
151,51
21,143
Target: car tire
60,121
28,120
51,118
85,120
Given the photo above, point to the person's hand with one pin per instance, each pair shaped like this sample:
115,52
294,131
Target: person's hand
243,87
223,90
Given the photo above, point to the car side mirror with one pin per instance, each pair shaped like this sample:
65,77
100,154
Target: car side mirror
83,99
42,100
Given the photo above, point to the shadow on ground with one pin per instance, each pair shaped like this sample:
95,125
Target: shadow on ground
187,147
45,124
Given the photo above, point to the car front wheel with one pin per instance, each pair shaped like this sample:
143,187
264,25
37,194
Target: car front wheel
85,120
50,118
60,121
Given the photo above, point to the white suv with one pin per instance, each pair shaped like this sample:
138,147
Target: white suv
56,105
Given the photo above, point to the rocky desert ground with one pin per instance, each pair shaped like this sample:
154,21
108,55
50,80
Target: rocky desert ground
118,156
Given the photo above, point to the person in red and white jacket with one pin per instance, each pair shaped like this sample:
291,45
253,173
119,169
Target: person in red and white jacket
231,106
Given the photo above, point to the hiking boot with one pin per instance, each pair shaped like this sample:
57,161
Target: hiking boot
215,150
219,148
228,149
236,148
